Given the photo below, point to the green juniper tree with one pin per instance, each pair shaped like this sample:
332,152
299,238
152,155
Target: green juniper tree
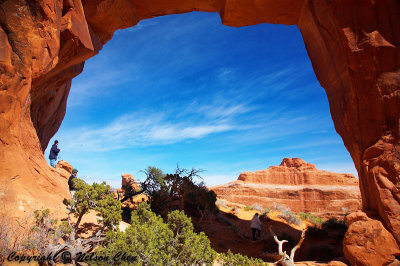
98,198
154,242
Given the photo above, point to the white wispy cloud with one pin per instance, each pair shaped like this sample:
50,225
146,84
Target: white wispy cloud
146,129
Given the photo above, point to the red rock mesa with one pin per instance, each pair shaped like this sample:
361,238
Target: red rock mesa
297,185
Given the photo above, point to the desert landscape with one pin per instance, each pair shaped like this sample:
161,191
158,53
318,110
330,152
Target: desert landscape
169,217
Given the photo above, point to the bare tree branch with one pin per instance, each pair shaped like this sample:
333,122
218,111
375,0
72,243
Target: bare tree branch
285,259
303,235
280,244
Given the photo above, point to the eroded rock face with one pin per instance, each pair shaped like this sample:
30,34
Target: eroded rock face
353,46
367,242
297,185
64,168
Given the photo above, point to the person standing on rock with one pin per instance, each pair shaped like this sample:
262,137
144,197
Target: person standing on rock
54,153
71,184
255,226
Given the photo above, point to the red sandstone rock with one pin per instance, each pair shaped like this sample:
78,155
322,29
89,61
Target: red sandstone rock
367,242
128,181
297,163
356,216
64,169
295,171
353,46
297,185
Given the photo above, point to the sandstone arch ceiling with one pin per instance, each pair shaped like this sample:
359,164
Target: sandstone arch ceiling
353,46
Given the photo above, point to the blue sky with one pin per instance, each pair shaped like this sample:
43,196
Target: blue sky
186,89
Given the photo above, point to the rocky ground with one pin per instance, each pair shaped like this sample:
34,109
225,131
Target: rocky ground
230,230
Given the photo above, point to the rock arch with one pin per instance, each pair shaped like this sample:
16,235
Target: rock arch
354,47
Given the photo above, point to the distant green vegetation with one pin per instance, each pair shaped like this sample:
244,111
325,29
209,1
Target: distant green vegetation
290,217
306,216
255,207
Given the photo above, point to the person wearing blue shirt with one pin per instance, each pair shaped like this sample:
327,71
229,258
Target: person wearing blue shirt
54,153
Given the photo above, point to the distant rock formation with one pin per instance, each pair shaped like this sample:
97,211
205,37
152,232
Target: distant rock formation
129,182
297,185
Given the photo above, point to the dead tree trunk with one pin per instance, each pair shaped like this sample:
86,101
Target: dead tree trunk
284,258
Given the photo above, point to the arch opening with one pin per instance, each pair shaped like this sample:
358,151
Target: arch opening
226,100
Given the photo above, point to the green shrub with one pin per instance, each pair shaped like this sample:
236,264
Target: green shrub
255,207
231,259
248,208
290,217
29,235
155,242
310,217
96,197
44,231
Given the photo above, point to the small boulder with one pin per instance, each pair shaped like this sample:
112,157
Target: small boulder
356,216
64,168
367,242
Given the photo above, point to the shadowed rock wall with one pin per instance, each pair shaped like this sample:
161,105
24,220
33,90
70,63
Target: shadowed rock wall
353,46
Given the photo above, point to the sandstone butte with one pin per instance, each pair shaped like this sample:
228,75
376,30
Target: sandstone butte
297,185
354,47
